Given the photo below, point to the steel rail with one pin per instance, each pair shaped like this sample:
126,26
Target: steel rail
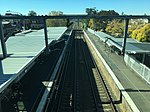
104,84
75,78
54,78
57,81
106,90
62,78
58,78
88,72
65,73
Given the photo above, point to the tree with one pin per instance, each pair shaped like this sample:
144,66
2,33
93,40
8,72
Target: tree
100,24
91,24
105,12
56,22
141,34
55,13
115,28
91,11
144,33
32,13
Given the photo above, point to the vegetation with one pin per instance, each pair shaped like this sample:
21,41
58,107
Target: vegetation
56,22
99,24
141,34
32,13
115,28
138,29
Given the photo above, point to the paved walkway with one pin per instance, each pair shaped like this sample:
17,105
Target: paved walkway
133,84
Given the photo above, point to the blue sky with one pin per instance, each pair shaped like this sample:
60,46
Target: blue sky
42,7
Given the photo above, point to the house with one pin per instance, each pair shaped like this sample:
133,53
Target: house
36,24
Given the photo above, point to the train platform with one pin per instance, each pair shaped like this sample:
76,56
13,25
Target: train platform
22,50
138,90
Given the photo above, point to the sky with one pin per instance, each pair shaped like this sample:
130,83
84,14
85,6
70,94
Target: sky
43,7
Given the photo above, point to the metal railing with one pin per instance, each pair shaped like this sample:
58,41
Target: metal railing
138,67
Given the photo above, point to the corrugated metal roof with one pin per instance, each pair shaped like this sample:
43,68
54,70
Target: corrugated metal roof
132,46
23,50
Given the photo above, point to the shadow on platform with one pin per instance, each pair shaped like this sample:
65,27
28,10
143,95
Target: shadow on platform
21,56
134,90
1,68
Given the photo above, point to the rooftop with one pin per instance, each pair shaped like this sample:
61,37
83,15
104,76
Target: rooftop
23,50
132,46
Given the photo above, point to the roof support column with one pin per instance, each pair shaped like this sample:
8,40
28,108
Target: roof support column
78,24
125,36
143,59
1,106
4,50
46,37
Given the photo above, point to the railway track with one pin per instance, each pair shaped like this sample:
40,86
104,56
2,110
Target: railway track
61,99
92,88
80,86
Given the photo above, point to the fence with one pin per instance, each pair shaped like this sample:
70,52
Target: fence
138,67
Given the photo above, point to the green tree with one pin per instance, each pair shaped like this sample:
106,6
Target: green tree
109,12
91,11
144,33
84,23
32,13
115,28
55,13
100,24
91,24
134,33
56,22
141,34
